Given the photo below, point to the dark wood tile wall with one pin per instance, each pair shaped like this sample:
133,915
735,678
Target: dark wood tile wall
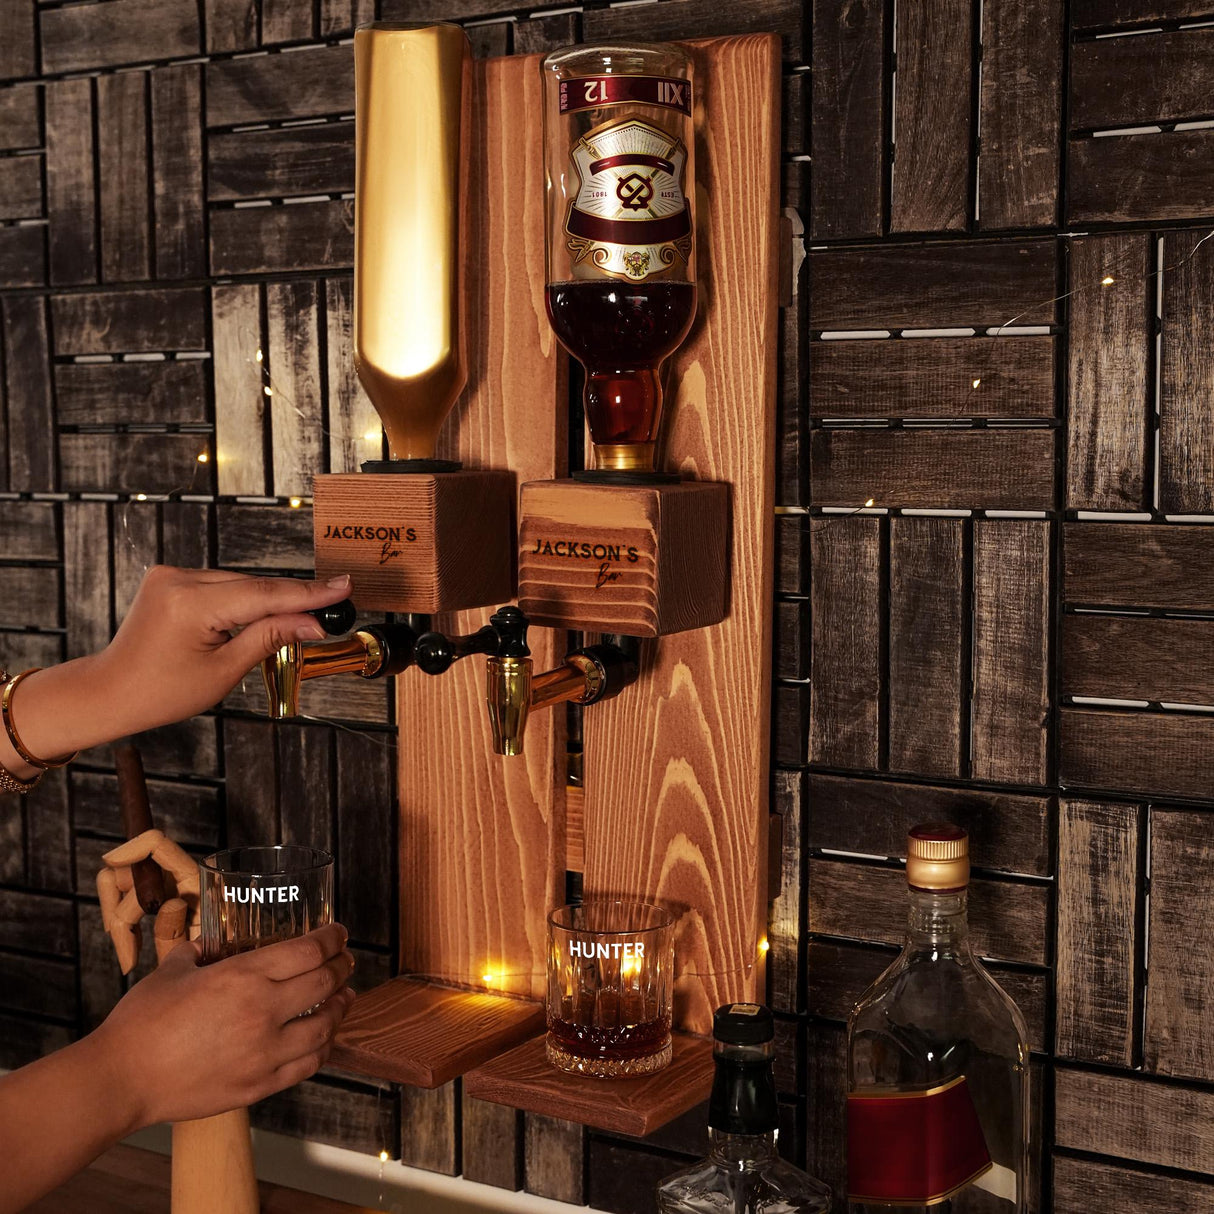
997,329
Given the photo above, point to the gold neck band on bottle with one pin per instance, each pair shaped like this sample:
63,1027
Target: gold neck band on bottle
625,457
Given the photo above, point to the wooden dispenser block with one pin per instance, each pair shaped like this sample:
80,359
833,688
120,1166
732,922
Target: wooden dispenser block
644,560
417,541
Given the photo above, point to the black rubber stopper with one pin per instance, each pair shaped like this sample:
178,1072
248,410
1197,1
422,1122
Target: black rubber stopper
337,619
407,466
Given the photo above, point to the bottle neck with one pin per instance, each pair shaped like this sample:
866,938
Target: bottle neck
742,1111
740,1150
937,922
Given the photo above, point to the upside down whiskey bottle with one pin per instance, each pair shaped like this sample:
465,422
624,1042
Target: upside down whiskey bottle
621,292
937,1061
743,1173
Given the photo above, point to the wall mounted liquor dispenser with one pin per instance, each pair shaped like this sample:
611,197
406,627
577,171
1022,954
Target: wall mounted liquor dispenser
415,533
622,546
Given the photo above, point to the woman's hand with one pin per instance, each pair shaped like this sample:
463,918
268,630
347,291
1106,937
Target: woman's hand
174,656
190,1040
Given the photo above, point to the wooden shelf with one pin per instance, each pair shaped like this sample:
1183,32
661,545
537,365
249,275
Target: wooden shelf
523,1079
416,1032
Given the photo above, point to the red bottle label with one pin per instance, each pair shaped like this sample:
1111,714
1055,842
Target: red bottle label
590,92
913,1148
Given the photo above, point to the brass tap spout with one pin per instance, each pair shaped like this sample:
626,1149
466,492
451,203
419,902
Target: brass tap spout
513,691
371,652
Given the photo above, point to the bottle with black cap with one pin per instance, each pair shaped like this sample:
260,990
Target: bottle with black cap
743,1173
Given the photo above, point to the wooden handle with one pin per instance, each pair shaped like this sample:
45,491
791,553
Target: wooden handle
213,1166
136,818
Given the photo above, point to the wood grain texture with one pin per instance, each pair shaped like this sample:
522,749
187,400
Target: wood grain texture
358,1120
177,160
1124,564
366,829
136,321
1011,676
341,16
688,753
786,922
119,393
135,463
302,236
430,1128
284,21
355,431
135,549
523,1078
22,256
414,1032
18,53
1138,658
23,1039
846,614
240,382
231,25
70,199
86,583
792,554
792,637
1107,429
932,117
79,38
29,595
264,538
554,1158
1009,469
491,1143
19,117
1081,1183
281,162
1089,14
1007,831
36,922
1155,1123
481,832
1179,1029
1098,876
1131,178
296,406
190,814
29,531
1008,920
1141,81
45,986
20,187
1186,463
847,119
1136,752
926,634
311,83
1019,106
638,560
933,378
31,424
122,153
978,283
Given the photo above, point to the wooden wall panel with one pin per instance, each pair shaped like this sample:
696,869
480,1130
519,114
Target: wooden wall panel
355,431
177,159
281,162
70,184
1098,879
19,111
1109,358
240,383
1089,14
21,187
22,256
81,37
303,236
303,84
116,393
1127,564
1079,1183
128,322
122,157
31,422
297,418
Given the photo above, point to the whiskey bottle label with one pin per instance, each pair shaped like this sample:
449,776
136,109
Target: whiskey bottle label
629,217
913,1148
591,92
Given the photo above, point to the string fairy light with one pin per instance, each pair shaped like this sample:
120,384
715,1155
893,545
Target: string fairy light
203,457
1107,281
295,502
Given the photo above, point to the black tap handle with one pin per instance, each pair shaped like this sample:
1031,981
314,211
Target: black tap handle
510,625
619,662
399,644
337,619
436,653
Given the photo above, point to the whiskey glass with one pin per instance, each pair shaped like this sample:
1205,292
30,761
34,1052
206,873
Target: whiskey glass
610,983
619,151
254,896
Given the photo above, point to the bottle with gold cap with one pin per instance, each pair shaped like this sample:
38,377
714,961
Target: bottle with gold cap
937,1060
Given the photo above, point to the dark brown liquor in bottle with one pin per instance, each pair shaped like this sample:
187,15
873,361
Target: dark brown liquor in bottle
622,333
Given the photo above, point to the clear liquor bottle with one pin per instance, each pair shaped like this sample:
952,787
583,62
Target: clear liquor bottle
937,1061
743,1173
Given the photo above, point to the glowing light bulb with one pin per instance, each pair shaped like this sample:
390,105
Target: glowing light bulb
488,979
373,436
870,501
1107,281
141,497
383,1157
764,946
268,390
203,457
296,502
258,356
975,383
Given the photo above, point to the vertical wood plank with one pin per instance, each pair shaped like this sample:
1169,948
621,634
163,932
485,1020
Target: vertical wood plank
846,613
491,1143
429,1128
251,763
306,776
355,431
366,834
31,424
123,159
340,16
1020,108
847,117
296,409
1179,1038
231,25
70,190
555,1158
1186,402
48,862
932,117
186,534
699,778
136,547
285,21
87,593
1011,699
240,402
177,170
478,830
787,919
926,597
1107,429
17,48
1098,875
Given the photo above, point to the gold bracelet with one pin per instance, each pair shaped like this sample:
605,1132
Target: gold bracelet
8,781
6,710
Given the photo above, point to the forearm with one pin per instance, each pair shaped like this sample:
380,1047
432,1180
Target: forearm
56,1116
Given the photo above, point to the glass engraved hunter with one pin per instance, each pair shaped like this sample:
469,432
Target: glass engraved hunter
620,157
610,983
